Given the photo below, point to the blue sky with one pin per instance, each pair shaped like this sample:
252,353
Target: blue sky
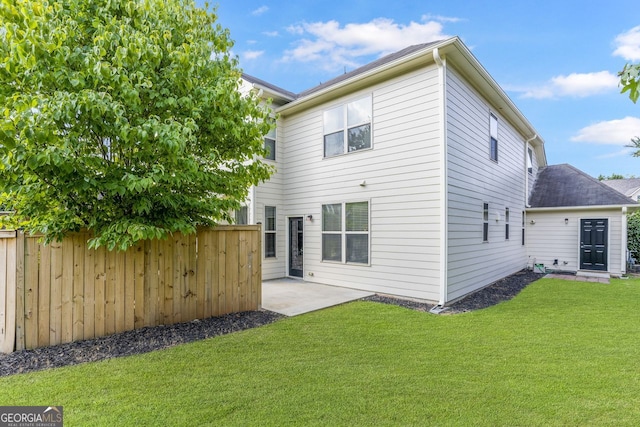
557,60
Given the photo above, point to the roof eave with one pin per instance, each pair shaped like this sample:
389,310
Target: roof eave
397,66
463,60
582,208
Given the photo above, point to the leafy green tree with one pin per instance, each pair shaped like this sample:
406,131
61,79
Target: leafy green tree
635,143
633,234
612,176
629,79
122,117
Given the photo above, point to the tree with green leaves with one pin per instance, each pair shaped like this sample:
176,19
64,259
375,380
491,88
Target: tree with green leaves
124,118
629,80
612,176
633,234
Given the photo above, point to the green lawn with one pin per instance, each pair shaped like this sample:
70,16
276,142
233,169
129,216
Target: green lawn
560,353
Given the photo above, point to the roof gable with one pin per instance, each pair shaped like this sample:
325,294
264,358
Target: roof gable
565,186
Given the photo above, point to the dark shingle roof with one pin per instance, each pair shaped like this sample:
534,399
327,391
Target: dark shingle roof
565,186
268,85
370,66
625,186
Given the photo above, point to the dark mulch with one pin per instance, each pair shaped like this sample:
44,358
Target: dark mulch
502,290
131,342
159,337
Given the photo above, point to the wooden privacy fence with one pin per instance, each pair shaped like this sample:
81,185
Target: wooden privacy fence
63,292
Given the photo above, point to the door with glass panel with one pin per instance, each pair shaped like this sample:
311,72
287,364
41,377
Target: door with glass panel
296,246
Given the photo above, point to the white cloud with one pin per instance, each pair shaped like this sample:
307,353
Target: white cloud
271,33
628,44
615,132
336,46
626,152
579,85
252,54
440,18
259,11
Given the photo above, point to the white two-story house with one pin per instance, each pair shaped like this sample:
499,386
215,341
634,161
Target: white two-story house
409,176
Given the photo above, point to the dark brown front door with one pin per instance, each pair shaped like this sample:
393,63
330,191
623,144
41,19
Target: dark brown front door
593,244
296,246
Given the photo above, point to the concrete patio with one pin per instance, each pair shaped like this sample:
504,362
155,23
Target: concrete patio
292,297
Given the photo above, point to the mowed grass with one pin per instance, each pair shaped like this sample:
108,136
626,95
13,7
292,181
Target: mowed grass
560,353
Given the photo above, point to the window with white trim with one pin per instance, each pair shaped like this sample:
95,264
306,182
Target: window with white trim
485,222
506,223
529,160
345,232
242,216
347,128
270,145
269,231
493,137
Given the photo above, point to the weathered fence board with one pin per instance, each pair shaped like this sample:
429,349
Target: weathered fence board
63,292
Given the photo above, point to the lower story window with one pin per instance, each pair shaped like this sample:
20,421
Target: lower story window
345,232
485,222
269,231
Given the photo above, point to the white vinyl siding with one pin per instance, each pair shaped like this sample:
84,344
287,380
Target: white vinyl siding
269,193
401,181
474,179
550,237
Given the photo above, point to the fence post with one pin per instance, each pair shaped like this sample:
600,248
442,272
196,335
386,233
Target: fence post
8,285
20,291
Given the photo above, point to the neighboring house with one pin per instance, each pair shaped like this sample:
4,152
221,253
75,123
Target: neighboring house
629,187
408,176
577,223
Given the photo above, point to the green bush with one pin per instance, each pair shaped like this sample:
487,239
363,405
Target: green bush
633,234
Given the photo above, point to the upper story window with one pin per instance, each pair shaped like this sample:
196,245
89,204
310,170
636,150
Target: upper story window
270,145
242,216
347,127
529,160
493,137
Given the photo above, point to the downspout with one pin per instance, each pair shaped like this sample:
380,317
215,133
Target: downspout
526,172
444,199
623,249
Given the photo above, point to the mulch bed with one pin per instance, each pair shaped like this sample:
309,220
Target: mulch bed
128,343
502,290
154,338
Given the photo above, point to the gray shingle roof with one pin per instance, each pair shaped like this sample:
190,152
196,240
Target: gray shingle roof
565,186
625,186
275,88
370,66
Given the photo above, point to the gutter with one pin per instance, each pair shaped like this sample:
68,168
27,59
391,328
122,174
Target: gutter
444,205
582,208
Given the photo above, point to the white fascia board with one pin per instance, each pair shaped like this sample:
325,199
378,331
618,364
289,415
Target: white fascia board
582,208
